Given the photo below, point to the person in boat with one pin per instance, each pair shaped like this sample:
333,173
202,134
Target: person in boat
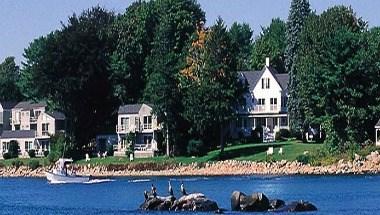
171,193
183,191
154,191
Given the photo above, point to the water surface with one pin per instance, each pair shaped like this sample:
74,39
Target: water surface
331,194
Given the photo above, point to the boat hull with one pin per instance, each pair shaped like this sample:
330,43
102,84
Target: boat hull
55,178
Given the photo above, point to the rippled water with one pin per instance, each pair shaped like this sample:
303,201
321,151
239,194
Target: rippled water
331,194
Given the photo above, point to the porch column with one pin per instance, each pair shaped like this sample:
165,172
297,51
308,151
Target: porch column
266,122
278,123
254,122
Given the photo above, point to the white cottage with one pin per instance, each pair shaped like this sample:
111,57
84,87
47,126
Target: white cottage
266,102
137,120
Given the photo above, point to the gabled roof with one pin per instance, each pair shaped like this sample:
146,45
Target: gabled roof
57,115
18,134
30,105
7,105
132,108
253,77
377,124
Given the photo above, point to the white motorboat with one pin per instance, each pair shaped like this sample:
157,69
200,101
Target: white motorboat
60,173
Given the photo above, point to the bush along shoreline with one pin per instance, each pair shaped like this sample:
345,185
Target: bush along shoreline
369,164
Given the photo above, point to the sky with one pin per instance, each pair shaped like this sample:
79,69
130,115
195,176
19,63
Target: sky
22,21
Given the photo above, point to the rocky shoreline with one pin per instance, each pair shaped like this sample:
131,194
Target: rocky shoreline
368,165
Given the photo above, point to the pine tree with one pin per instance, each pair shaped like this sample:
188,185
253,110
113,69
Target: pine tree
299,11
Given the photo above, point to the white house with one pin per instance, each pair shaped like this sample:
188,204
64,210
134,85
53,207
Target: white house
31,126
137,120
266,102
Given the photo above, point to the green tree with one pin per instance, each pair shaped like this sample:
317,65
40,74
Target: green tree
9,75
299,11
338,68
177,22
70,69
135,32
241,43
270,43
210,85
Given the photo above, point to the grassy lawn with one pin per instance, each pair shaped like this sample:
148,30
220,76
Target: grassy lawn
250,152
25,161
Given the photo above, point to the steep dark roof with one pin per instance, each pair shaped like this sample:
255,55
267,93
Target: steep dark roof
30,105
252,77
8,105
18,134
57,115
283,80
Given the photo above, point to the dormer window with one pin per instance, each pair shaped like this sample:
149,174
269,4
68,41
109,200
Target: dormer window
265,83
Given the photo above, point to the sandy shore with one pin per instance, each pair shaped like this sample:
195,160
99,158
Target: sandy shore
367,165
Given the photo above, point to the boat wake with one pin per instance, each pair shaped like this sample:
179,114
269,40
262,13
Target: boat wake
138,180
93,181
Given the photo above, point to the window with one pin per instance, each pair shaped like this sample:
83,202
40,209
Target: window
45,129
273,104
147,122
124,123
28,145
260,105
265,83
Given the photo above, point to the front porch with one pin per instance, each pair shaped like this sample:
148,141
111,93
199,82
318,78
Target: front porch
144,145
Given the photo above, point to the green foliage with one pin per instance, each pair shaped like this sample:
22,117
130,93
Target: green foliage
58,147
13,149
285,133
46,153
9,75
69,68
305,159
299,11
196,148
277,136
33,164
270,43
337,57
241,43
32,153
17,163
6,156
110,150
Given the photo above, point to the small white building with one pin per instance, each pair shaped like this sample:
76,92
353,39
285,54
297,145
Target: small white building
30,125
266,102
137,120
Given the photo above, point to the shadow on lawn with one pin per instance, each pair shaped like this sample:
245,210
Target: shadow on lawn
246,151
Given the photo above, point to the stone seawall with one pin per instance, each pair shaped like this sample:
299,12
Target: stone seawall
367,165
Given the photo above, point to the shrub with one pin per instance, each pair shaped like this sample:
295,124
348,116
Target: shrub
6,156
17,163
33,164
13,149
305,159
285,133
110,150
32,153
46,153
257,134
196,148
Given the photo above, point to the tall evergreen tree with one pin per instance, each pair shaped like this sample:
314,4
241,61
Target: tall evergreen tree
9,76
299,11
241,43
270,43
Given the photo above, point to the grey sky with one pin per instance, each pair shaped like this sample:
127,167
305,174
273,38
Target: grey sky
24,20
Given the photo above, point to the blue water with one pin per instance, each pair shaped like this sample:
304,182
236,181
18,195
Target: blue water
331,194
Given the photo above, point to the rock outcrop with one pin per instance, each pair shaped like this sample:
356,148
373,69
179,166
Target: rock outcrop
258,202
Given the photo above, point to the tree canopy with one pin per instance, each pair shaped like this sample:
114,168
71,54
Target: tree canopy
9,75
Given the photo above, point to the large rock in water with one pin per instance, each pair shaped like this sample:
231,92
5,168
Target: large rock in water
255,202
151,204
297,207
276,203
235,200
